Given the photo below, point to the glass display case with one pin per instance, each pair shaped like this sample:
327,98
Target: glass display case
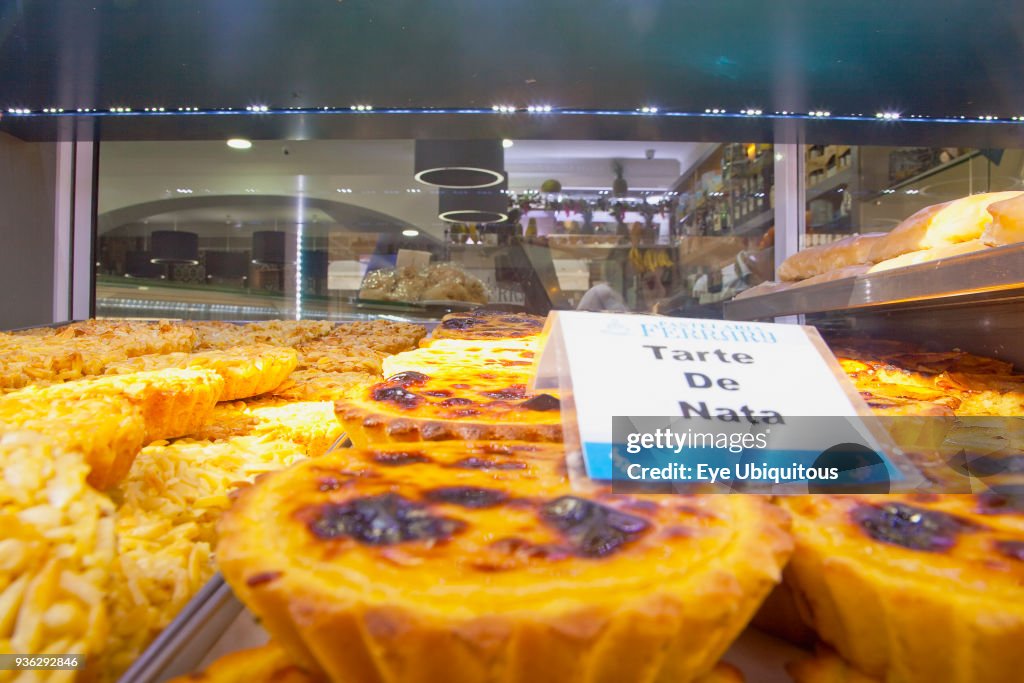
312,202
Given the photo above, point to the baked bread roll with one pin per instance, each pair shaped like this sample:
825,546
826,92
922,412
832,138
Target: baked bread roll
1007,225
960,220
924,256
424,566
914,588
849,251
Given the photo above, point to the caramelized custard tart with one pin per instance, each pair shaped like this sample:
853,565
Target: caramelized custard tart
477,562
914,588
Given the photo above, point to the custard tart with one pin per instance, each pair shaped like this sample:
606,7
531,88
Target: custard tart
413,406
408,568
271,664
483,324
510,358
914,588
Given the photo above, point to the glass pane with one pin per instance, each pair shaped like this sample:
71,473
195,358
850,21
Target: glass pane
862,189
342,228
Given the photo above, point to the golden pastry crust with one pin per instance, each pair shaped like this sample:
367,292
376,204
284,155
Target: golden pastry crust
222,335
172,402
886,579
315,385
509,358
962,382
826,667
108,431
271,664
247,370
53,355
310,424
339,356
483,324
424,572
385,336
412,406
266,664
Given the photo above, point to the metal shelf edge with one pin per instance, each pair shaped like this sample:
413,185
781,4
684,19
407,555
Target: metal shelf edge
995,270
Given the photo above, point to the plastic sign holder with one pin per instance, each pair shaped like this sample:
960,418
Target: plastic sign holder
710,382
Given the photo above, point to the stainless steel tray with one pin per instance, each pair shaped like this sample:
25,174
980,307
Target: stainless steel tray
187,639
987,275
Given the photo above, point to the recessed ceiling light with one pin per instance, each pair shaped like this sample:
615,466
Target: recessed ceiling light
506,143
411,233
239,143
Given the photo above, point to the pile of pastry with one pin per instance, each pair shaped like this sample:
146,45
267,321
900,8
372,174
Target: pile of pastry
449,545
962,226
957,415
434,282
120,444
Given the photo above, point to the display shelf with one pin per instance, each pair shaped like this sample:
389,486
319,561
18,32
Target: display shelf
965,157
752,222
986,275
830,183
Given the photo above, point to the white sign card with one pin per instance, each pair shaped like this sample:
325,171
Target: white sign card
723,376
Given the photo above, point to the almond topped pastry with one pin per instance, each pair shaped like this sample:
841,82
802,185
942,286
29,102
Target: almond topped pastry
247,370
914,588
413,406
472,563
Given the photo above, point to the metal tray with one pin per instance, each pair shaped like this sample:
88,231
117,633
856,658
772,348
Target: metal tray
188,638
992,274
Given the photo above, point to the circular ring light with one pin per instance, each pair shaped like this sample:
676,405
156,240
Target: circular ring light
468,216
475,205
459,163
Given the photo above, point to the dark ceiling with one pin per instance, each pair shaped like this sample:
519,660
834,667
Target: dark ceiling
849,57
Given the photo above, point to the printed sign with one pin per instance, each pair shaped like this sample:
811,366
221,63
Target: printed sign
724,394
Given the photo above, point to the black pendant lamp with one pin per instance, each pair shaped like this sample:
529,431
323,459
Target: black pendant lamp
475,205
268,247
140,264
226,264
171,247
460,163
